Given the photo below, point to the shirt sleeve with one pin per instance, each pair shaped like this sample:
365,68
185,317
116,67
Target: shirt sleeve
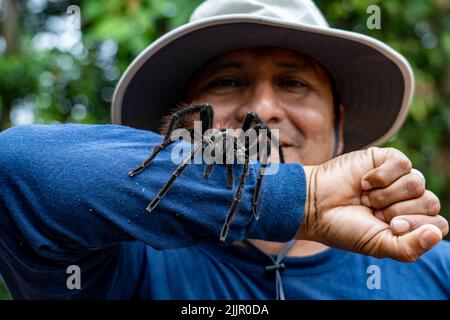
65,196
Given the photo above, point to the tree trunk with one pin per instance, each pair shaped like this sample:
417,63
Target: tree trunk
10,26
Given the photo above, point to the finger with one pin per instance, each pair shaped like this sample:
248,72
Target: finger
428,204
403,224
390,164
409,186
410,246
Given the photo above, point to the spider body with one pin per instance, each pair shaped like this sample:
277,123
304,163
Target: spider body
240,151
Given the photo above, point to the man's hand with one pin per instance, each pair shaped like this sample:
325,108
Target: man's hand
369,202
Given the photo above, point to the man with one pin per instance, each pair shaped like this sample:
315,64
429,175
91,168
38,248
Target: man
66,201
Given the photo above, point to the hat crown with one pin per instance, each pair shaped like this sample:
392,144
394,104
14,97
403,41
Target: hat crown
295,11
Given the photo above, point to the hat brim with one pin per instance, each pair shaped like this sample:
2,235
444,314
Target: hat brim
375,82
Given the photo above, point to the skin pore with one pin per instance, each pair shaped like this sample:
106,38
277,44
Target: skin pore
289,92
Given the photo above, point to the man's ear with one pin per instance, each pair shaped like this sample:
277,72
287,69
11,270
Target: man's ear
341,129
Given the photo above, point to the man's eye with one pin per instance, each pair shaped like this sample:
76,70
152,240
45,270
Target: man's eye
225,83
293,83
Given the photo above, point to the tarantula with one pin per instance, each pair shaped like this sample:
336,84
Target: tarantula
241,150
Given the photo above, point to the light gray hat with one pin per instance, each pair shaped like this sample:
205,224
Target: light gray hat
374,81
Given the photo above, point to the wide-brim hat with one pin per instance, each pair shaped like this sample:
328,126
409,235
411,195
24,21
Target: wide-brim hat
375,83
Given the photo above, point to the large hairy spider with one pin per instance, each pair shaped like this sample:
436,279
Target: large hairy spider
240,151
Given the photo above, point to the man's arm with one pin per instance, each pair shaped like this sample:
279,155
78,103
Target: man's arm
66,198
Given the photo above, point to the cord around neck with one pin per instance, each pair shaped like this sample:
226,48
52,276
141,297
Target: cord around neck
276,265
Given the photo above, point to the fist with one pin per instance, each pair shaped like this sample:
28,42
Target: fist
369,202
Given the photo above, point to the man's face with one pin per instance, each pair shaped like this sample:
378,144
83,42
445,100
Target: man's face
287,90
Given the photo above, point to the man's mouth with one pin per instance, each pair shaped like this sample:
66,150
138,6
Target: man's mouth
288,144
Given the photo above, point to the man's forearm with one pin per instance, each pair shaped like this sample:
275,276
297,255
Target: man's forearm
65,191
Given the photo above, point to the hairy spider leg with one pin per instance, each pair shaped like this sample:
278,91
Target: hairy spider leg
230,176
147,161
262,168
208,169
229,164
237,197
176,120
252,117
175,175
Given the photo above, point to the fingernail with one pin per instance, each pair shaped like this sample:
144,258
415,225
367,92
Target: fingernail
366,201
428,239
400,225
366,185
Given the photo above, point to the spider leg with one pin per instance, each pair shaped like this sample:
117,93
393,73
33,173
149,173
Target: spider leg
252,117
260,176
176,120
147,161
238,193
230,176
263,166
208,170
175,175
155,151
235,204
229,160
206,117
272,138
280,146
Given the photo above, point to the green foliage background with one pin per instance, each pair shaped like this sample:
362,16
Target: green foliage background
44,81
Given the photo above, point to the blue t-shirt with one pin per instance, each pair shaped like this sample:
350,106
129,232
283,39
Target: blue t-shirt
66,200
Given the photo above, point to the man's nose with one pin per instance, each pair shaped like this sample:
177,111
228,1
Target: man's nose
262,99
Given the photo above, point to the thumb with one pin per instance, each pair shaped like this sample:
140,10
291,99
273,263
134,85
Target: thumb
409,247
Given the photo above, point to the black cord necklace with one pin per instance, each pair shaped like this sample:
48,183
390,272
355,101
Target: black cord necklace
276,265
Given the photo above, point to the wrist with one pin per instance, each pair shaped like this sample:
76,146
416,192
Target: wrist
310,213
